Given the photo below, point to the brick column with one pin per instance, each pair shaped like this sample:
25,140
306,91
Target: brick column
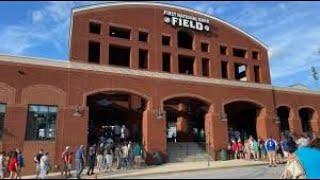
197,67
231,72
216,133
315,124
295,122
154,134
15,125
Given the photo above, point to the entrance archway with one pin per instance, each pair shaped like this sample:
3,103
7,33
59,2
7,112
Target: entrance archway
242,119
283,113
108,109
186,121
306,114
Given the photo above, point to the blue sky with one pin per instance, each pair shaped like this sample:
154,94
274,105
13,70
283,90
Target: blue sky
290,29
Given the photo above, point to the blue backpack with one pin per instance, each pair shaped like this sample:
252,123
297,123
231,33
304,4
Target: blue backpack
271,145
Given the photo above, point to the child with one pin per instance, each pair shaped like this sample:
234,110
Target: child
229,151
235,149
69,164
241,149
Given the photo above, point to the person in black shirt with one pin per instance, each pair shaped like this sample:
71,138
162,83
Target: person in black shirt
37,159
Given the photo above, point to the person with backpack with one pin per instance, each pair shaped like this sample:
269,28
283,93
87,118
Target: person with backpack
271,147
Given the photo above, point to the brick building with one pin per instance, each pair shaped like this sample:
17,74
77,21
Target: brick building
147,65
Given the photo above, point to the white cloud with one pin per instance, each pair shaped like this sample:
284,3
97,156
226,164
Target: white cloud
37,16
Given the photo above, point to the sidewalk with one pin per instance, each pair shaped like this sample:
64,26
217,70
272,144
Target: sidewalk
168,168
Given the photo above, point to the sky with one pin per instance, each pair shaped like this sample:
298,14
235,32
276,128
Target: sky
291,30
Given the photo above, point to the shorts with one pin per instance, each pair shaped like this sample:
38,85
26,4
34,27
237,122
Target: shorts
137,159
69,166
272,154
1,172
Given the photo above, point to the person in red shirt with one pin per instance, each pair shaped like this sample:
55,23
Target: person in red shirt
70,162
13,166
235,149
241,148
64,162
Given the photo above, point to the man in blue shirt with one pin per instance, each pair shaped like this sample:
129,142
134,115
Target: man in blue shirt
80,161
271,147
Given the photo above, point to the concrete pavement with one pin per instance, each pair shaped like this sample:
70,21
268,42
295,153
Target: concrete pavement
169,168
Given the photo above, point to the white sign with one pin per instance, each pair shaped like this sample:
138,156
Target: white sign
187,21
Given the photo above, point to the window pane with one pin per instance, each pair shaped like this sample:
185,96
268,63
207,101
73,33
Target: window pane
33,108
2,116
41,124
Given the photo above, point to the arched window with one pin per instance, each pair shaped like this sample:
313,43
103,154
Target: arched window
185,40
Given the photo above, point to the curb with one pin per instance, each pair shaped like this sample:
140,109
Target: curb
172,172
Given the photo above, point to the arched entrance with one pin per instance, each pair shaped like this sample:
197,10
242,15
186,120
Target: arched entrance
283,113
108,109
306,114
186,121
242,119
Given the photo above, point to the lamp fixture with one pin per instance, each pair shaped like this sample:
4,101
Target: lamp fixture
76,112
159,114
223,116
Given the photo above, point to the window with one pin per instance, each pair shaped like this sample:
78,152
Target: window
239,53
240,72
186,64
256,74
2,116
205,67
166,40
166,62
204,47
255,55
120,32
41,122
185,40
95,28
223,50
119,56
94,52
143,36
143,59
224,70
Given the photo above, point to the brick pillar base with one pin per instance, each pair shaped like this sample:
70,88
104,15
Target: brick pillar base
154,135
216,133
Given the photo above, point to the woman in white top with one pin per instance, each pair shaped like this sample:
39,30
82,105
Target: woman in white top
44,166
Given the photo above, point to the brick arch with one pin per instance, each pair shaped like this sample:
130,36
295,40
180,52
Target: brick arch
284,105
314,121
243,100
7,94
190,95
88,93
43,94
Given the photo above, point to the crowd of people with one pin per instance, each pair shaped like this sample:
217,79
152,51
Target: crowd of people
258,149
11,164
112,148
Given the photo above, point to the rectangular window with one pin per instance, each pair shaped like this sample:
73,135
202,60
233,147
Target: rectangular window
143,36
239,52
223,50
94,52
41,122
204,47
255,55
166,40
119,56
166,62
95,28
256,74
224,70
205,67
120,32
240,72
186,65
2,116
143,59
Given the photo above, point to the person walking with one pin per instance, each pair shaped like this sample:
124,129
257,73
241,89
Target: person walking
137,154
91,159
2,159
117,154
124,153
80,157
13,166
44,166
100,151
271,147
69,164
255,150
235,149
20,163
109,158
37,159
64,162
